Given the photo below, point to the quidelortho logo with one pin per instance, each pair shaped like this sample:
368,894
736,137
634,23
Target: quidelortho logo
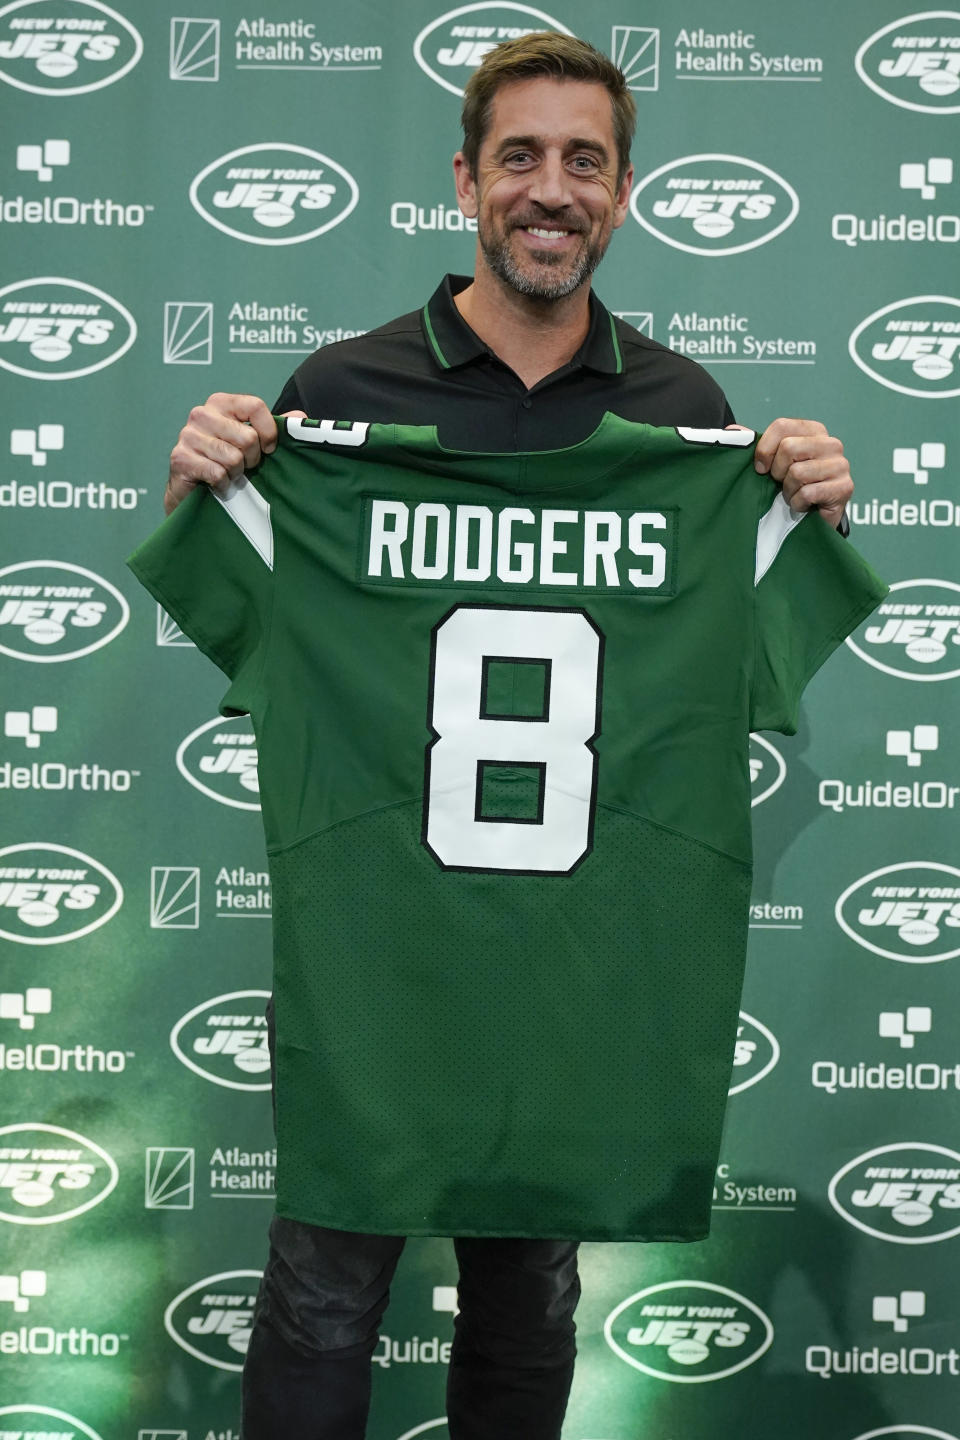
912,346
42,161
35,1420
48,1174
225,1040
906,1193
767,769
52,328
914,633
688,1331
714,204
893,1072
453,45
914,747
65,47
212,1319
915,62
219,759
44,1056
51,611
909,911
923,180
755,1053
35,725
50,894
274,194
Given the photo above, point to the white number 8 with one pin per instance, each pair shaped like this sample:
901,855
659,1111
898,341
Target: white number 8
555,746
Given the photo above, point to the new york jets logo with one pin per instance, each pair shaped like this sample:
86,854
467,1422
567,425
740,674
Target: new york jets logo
273,194
905,1432
219,759
52,328
914,633
755,1053
50,894
688,1331
453,45
908,1194
714,204
65,47
48,1174
34,1420
915,62
211,1320
52,611
912,346
908,912
767,769
225,1040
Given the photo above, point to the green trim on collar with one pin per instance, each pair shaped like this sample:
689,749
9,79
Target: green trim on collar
616,344
441,358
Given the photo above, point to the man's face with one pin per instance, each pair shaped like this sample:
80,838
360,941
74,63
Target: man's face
545,195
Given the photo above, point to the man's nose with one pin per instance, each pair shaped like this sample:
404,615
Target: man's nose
550,185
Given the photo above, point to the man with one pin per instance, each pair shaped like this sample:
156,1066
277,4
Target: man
522,358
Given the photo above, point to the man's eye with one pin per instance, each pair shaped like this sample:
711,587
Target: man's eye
584,162
519,157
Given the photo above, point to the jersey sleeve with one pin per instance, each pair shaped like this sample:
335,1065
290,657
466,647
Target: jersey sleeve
210,565
812,591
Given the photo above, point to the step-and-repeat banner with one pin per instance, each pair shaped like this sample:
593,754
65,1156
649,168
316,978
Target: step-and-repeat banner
192,203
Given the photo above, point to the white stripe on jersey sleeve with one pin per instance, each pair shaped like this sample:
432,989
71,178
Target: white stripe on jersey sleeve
251,514
773,529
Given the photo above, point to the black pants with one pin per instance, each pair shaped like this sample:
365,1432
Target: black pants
323,1295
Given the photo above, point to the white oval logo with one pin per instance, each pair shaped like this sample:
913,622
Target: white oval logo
916,630
50,894
714,204
902,1193
34,1419
52,328
274,194
44,1168
908,912
915,62
58,43
449,48
219,759
912,346
767,769
225,1040
672,1329
897,1432
212,1319
755,1053
52,611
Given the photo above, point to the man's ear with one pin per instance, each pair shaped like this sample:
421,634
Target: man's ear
622,203
466,186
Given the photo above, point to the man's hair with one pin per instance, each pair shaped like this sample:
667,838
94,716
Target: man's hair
560,57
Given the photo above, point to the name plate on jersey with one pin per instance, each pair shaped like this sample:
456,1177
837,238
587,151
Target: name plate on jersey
518,547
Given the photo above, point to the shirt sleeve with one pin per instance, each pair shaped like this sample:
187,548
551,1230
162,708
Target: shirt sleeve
812,591
210,566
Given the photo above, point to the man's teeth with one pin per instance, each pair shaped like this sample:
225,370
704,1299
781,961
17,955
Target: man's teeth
546,234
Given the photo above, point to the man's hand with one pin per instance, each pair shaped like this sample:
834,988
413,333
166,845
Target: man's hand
809,463
219,442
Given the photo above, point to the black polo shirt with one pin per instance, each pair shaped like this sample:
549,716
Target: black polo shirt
430,368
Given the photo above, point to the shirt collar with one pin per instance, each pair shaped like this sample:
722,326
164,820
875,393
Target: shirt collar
452,343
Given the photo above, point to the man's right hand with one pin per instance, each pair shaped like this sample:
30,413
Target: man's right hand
219,442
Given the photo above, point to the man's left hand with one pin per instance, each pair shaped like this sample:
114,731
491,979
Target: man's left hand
809,463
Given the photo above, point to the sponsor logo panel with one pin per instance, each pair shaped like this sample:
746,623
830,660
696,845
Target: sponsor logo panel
43,160
211,1320
65,47
52,328
175,896
731,339
50,894
49,1174
274,194
169,1182
911,346
913,748
769,915
219,759
738,55
194,49
922,180
909,911
454,44
417,1350
914,633
688,1331
918,464
916,1074
755,1053
40,1054
714,204
907,1193
31,727
224,1040
732,1191
42,1340
54,491
636,50
914,62
897,1314
35,1419
52,611
231,1173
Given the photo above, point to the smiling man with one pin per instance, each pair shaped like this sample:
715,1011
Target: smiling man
522,357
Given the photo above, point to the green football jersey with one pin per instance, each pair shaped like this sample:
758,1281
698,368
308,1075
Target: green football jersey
502,706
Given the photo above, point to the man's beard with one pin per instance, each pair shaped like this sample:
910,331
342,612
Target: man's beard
541,286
